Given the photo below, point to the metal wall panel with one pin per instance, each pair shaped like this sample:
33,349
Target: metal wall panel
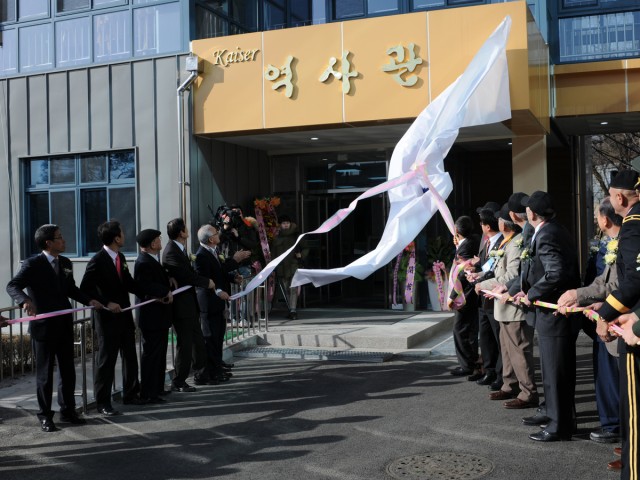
58,113
79,124
145,140
99,108
5,197
167,137
121,105
38,117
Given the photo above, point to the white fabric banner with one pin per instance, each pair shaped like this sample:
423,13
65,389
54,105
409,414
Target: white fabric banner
418,184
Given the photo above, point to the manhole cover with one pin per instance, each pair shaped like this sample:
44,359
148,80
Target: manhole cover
440,466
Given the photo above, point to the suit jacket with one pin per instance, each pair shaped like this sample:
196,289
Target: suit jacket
627,294
507,268
602,285
466,251
483,254
154,281
101,281
48,292
178,266
207,265
551,271
515,285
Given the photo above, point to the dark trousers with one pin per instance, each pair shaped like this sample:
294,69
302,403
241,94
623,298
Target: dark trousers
558,363
153,363
190,348
465,336
606,373
489,330
119,336
46,353
217,326
629,399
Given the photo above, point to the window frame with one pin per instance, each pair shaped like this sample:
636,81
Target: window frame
78,187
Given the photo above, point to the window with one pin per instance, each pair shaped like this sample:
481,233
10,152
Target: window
36,47
382,6
209,25
28,9
72,5
78,193
427,3
157,29
7,11
348,8
73,42
112,36
274,16
8,52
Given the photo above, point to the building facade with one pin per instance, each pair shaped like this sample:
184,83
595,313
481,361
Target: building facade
303,99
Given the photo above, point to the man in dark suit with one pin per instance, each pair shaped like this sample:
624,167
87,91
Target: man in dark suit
489,328
550,269
107,278
48,278
190,348
211,264
465,322
154,319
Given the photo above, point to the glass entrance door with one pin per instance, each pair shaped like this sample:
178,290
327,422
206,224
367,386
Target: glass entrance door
358,234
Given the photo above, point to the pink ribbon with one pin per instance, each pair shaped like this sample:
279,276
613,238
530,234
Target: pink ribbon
57,313
411,272
455,285
438,269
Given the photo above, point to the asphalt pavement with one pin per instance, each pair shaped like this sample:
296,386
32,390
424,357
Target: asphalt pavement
297,419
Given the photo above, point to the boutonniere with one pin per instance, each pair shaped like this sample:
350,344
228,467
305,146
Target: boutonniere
192,258
612,252
67,271
525,255
519,242
496,253
221,257
125,267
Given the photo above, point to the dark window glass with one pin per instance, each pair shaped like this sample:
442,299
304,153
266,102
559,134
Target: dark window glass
38,215
122,207
348,8
245,12
427,3
221,6
209,25
274,17
94,213
63,214
301,11
38,173
578,3
381,6
8,11
71,5
122,166
63,170
93,169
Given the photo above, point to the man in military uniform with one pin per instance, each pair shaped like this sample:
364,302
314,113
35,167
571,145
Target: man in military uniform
626,203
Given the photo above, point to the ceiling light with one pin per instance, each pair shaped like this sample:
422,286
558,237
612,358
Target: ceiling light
314,138
510,143
325,159
604,123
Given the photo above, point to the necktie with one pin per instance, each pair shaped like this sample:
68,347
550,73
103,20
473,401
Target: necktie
54,264
118,266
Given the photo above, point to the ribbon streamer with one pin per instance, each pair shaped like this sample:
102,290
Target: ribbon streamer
438,269
57,313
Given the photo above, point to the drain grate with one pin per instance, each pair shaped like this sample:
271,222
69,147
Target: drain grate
440,466
314,354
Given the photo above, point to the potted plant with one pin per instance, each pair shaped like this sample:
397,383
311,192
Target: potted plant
440,253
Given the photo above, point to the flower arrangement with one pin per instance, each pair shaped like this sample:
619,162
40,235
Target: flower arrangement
439,250
266,207
612,252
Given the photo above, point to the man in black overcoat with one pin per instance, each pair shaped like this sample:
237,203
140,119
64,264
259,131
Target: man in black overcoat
48,279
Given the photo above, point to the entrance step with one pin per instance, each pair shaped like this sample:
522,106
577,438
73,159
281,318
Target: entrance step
403,335
315,354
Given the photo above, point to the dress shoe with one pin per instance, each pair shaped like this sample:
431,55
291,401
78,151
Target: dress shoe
47,425
164,393
617,451
500,395
497,385
134,401
488,379
228,365
460,372
544,436
292,315
615,465
475,376
184,387
601,435
108,411
516,403
73,418
536,420
222,378
208,381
